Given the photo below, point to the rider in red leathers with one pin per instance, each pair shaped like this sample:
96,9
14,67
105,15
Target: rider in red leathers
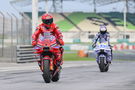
48,25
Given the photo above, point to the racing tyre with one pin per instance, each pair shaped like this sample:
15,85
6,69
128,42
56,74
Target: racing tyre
102,65
56,77
46,71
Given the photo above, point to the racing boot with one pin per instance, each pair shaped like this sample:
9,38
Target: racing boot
39,63
109,59
59,59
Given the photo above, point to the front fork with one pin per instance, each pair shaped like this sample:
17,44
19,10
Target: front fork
101,56
41,63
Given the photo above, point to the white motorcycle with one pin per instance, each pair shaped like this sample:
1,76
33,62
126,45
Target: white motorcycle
102,51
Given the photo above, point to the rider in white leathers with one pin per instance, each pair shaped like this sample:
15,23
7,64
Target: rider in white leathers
101,37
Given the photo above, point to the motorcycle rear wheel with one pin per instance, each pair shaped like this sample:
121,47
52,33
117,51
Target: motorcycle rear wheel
56,77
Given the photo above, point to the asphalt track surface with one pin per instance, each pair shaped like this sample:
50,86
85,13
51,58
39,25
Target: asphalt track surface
121,76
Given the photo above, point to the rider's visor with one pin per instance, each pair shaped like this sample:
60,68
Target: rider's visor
47,21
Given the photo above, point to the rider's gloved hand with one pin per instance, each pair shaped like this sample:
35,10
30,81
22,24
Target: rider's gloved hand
34,43
61,42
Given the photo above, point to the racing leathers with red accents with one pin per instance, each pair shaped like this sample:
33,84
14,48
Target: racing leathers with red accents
53,29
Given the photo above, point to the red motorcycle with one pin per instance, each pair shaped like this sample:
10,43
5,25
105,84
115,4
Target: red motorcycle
46,47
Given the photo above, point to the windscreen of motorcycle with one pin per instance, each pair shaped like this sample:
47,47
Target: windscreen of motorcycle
47,40
103,45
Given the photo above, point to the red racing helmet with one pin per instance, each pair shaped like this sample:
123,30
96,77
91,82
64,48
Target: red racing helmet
47,19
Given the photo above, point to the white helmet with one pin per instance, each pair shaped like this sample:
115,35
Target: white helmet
103,29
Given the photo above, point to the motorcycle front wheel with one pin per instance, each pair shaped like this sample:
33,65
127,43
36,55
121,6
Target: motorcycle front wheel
102,64
46,71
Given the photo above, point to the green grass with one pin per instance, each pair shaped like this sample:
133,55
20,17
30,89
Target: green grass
130,26
75,57
64,25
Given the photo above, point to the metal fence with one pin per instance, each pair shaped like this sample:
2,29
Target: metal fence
14,31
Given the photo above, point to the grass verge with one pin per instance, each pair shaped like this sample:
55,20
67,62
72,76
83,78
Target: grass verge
75,57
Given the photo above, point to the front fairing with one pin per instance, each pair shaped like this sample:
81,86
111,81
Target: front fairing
102,47
47,43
